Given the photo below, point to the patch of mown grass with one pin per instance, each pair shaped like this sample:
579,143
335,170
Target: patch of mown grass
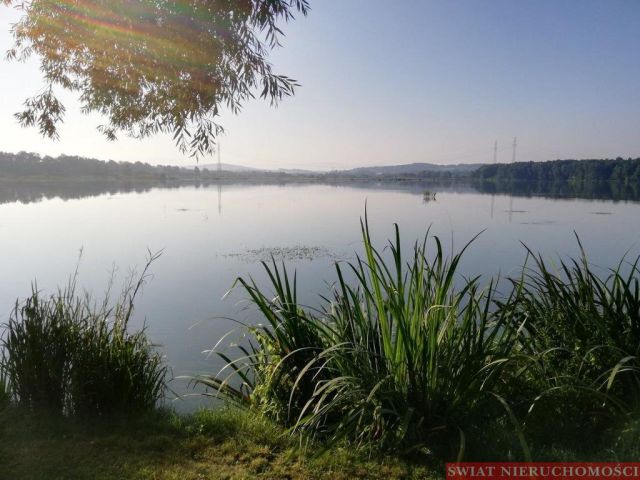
217,444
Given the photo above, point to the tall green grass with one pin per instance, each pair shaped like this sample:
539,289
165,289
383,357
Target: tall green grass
266,373
587,324
413,360
582,325
404,359
407,354
65,354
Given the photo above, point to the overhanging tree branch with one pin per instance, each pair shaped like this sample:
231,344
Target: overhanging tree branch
153,66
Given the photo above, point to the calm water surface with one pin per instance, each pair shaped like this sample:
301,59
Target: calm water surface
210,236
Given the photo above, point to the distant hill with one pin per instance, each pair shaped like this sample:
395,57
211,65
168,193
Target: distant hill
295,171
227,167
405,169
411,169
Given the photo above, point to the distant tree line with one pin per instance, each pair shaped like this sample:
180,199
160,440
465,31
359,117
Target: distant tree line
32,166
575,173
555,175
64,171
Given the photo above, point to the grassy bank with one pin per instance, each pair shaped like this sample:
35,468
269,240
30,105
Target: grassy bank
225,443
221,444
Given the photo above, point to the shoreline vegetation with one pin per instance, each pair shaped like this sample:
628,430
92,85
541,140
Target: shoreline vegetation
27,177
407,366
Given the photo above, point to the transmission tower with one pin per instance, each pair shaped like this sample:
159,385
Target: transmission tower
495,160
219,181
513,160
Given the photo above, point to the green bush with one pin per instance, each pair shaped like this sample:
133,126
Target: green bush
626,445
66,355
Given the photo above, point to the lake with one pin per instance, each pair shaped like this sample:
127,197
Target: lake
210,235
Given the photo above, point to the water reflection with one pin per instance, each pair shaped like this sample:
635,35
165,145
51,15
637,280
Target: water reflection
30,192
595,191
36,191
210,234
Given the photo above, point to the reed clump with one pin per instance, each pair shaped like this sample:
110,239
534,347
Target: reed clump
66,355
582,325
408,355
402,357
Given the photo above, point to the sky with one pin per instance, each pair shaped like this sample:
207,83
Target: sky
407,81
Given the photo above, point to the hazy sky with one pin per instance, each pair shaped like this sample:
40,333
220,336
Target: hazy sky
409,81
